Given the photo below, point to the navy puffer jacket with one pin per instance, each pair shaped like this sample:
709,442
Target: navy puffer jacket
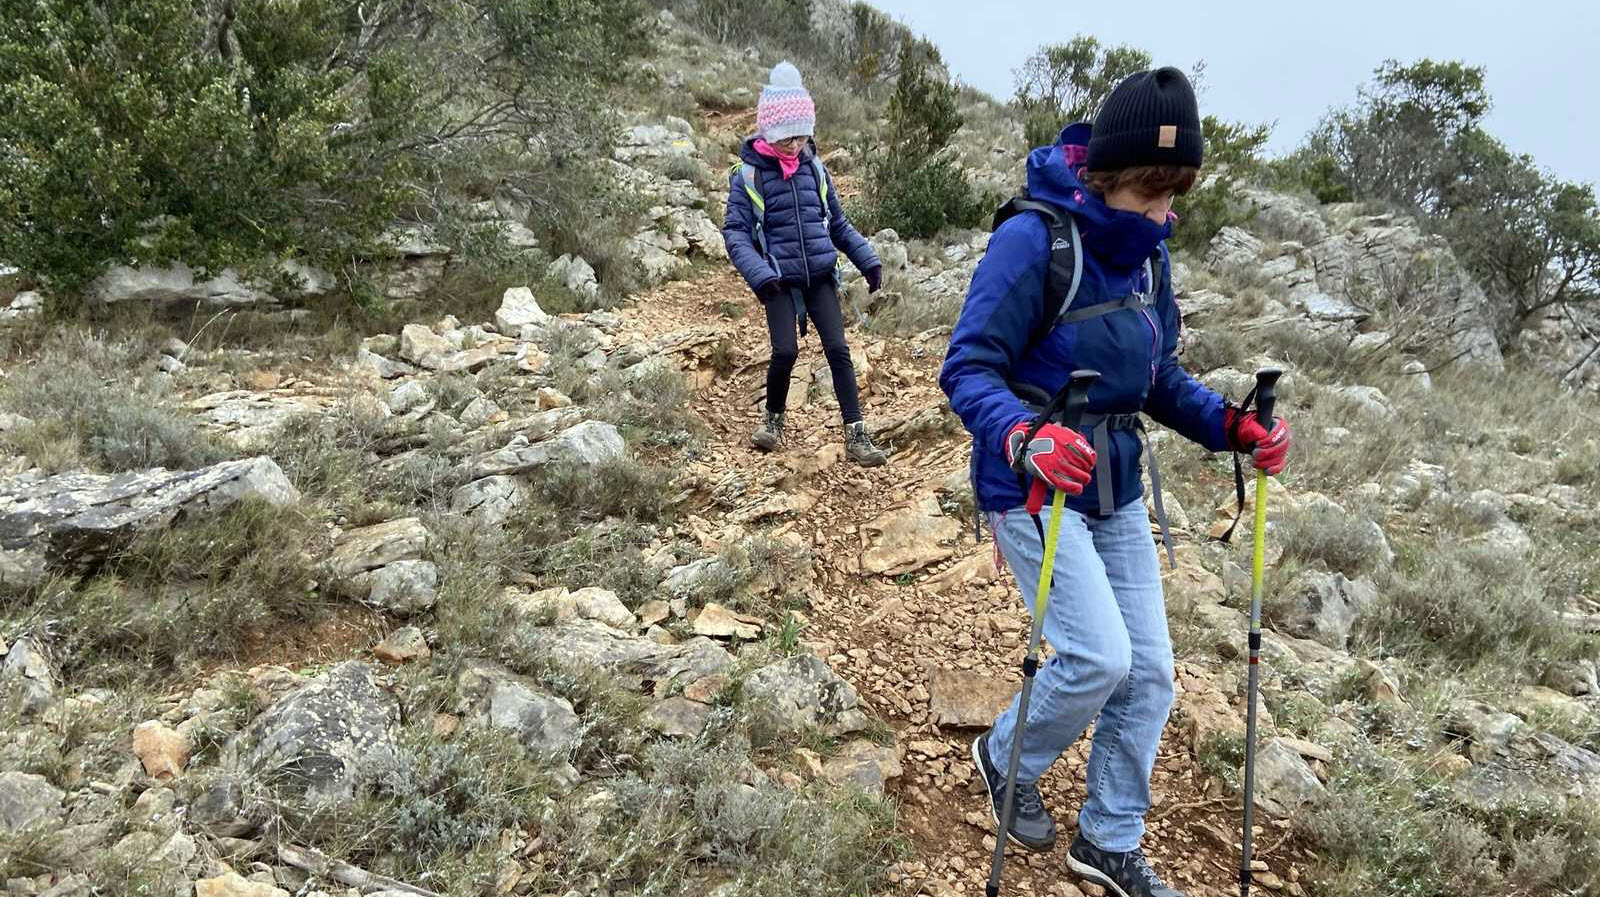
800,250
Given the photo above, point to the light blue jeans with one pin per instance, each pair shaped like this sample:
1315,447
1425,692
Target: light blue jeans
1107,621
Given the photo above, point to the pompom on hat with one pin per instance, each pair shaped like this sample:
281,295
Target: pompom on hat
785,109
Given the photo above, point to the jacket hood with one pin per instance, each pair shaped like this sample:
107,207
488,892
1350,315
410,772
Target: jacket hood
1121,240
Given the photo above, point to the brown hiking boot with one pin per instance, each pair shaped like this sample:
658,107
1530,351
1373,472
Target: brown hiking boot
858,446
770,433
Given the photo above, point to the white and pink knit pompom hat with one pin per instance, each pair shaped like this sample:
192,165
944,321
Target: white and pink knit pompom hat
785,109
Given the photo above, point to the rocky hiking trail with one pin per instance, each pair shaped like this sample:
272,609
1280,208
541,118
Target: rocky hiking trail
910,610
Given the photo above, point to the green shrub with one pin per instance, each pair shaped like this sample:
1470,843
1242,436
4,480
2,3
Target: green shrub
194,592
1346,542
1464,605
913,185
80,419
1376,837
240,134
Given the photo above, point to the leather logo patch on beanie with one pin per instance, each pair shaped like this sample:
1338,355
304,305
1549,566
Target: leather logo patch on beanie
1151,118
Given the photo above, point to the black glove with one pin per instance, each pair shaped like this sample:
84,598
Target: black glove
874,276
769,290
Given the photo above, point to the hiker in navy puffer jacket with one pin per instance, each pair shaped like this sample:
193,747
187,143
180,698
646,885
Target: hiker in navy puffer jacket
784,231
1105,615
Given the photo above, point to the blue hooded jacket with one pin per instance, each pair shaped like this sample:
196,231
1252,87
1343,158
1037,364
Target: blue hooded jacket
1135,350
800,249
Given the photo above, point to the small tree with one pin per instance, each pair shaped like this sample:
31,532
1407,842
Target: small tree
1063,83
220,133
913,184
1403,139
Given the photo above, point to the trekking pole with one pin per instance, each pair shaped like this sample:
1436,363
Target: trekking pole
1266,388
1069,404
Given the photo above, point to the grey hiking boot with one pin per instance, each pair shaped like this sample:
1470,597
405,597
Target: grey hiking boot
858,446
770,433
1123,874
1031,826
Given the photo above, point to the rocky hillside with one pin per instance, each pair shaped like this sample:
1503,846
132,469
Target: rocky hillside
501,601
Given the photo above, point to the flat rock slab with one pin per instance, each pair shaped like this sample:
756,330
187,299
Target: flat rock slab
967,700
75,517
907,540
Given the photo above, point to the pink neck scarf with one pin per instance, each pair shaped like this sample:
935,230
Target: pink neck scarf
789,163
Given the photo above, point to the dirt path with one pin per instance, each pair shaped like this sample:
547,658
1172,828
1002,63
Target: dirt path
893,636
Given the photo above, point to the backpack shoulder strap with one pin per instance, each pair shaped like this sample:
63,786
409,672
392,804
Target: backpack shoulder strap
1066,257
822,190
751,178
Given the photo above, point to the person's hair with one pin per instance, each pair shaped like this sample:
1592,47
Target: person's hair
1151,180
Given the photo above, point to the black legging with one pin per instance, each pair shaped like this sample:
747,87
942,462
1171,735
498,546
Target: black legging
822,310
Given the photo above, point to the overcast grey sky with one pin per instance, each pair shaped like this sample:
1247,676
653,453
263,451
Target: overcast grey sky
1289,61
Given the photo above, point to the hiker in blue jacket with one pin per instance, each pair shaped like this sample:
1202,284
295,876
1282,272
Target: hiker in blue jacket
1113,184
784,231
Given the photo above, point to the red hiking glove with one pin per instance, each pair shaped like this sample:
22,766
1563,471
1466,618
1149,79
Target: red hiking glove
1268,451
1057,458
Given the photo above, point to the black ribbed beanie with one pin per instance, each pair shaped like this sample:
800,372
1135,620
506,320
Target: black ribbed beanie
1151,118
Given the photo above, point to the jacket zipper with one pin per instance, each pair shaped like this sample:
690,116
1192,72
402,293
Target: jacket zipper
800,225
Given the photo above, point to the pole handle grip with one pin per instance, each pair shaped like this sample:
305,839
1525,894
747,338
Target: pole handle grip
1077,396
1266,395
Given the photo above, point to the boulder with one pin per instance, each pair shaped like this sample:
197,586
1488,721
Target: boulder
324,738
370,547
403,587
717,621
403,646
864,765
489,501
603,605
77,517
587,444
576,275
1284,781
26,668
803,693
1323,606
518,309
163,752
424,348
27,800
584,646
678,718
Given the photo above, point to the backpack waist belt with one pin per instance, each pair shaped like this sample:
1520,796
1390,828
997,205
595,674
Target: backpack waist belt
1100,427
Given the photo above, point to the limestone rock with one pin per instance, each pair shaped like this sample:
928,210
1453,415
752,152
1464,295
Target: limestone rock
403,646
910,539
966,699
518,309
802,693
163,752
588,444
76,517
324,738
27,800
1323,606
717,621
1284,781
864,765
370,547
403,587
422,347
490,500
678,718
